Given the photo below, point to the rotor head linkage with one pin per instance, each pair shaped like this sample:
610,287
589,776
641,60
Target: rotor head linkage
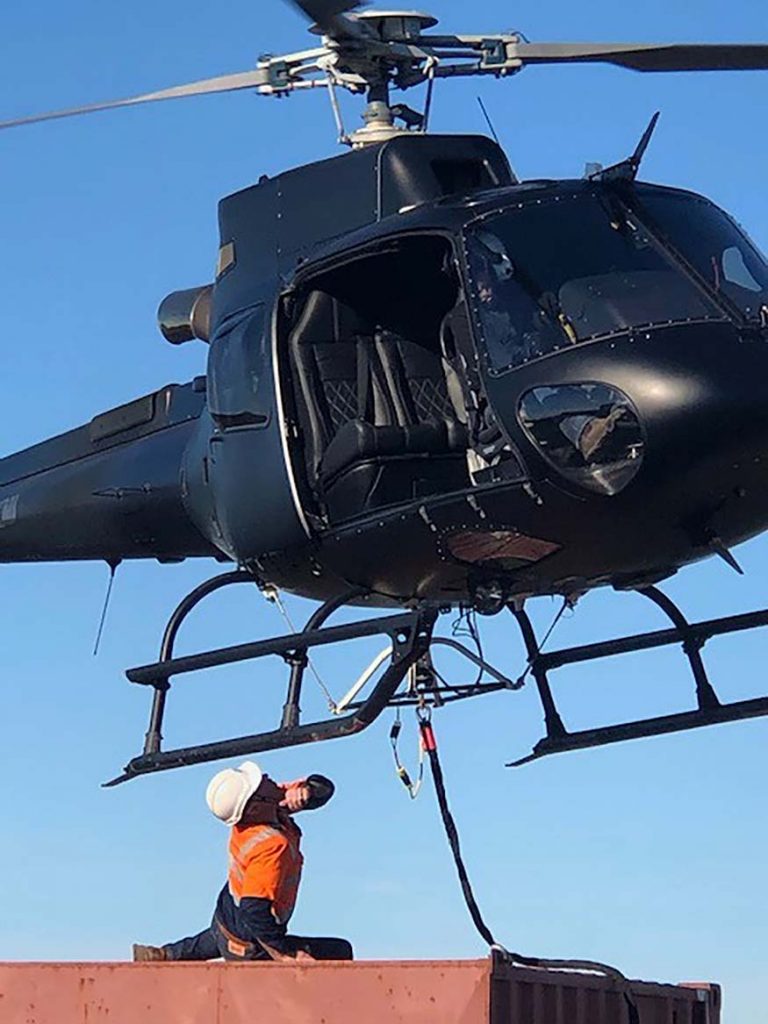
369,51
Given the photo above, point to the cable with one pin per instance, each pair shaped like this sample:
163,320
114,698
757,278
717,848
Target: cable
272,594
567,603
466,626
430,746
113,564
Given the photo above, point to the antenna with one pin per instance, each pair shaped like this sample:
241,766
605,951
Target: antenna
488,121
627,169
113,564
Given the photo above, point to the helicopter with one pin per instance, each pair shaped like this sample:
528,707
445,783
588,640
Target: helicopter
439,387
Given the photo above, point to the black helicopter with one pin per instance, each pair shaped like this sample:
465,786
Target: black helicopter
439,387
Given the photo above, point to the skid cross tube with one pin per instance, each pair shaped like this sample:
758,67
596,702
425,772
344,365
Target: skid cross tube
552,719
154,736
410,634
691,635
298,660
692,645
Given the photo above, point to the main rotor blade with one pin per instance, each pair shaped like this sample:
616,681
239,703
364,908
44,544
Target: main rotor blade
321,10
649,56
224,83
328,15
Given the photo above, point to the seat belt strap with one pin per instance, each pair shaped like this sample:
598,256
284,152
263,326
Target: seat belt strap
364,378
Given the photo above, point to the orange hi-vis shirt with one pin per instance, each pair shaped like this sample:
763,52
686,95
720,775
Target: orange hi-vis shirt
265,861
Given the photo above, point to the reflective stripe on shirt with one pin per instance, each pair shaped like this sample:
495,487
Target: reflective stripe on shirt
265,862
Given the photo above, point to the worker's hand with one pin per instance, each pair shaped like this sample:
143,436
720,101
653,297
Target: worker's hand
297,795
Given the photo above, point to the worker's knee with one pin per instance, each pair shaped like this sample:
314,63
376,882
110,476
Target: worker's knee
322,948
337,949
346,952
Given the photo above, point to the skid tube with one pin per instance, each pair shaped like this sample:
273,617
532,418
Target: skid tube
691,635
410,634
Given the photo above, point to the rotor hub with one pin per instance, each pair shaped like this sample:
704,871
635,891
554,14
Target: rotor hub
391,26
397,26
371,52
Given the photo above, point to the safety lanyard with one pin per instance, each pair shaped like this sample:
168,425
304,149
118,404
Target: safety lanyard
402,772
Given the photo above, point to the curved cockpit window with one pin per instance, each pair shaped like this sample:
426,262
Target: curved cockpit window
237,363
714,246
549,274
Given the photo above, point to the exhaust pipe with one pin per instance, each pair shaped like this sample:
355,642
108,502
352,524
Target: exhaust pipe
186,315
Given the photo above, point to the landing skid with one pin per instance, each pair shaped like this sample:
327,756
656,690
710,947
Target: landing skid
410,634
411,637
693,636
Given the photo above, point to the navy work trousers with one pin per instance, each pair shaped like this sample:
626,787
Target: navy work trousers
214,943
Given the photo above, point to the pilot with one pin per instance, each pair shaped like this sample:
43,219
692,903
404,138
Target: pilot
499,330
265,862
510,318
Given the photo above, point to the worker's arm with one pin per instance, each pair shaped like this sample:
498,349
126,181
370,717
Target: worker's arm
257,923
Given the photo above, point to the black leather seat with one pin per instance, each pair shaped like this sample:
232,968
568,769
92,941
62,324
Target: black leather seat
377,422
323,350
358,440
417,380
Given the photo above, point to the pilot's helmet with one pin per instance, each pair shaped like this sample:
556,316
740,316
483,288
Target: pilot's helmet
494,256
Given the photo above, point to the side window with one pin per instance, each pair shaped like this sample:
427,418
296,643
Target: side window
736,271
715,246
239,392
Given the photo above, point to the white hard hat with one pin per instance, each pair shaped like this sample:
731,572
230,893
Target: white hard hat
230,790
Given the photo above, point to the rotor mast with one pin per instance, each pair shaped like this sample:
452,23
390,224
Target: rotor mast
379,120
379,50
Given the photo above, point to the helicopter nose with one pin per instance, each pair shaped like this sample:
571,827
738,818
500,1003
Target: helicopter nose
674,419
711,405
702,401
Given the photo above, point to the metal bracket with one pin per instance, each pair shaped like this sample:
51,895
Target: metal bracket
495,57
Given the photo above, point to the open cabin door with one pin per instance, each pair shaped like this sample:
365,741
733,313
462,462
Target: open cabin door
245,489
377,408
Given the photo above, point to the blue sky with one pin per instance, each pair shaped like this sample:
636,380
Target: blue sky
650,855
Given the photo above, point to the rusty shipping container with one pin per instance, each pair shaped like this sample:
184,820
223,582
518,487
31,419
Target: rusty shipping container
363,992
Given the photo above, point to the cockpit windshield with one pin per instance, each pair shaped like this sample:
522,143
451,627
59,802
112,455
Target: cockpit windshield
554,272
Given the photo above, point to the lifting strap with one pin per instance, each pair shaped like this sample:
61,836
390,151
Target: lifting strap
430,746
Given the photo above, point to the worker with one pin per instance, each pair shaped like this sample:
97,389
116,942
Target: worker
265,862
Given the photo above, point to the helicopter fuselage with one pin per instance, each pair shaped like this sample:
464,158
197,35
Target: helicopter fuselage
439,385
